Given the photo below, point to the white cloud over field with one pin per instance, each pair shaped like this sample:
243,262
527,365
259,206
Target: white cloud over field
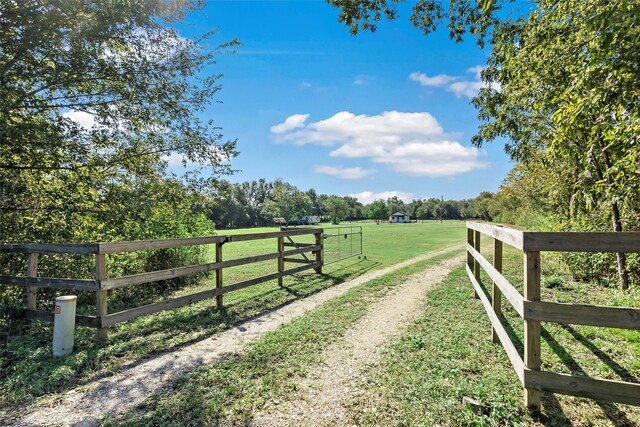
367,197
344,173
410,143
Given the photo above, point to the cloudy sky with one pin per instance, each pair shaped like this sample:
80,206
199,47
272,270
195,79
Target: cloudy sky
374,115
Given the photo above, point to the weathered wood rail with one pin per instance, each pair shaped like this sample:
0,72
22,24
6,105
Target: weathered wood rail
533,311
102,284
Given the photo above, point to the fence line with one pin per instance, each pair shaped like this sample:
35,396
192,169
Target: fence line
102,284
533,311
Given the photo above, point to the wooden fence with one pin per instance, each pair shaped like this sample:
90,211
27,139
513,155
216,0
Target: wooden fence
533,311
102,284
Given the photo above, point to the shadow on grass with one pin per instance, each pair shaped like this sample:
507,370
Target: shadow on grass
511,332
617,417
605,358
554,415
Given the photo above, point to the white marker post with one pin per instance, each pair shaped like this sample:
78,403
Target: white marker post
64,323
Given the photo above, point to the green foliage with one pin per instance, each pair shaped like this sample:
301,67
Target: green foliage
562,87
95,98
241,205
568,99
460,16
139,209
337,209
377,210
286,201
119,66
552,281
25,346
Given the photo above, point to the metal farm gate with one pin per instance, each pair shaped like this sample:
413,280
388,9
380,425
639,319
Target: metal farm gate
342,242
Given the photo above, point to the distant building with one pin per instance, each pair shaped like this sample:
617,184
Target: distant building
400,217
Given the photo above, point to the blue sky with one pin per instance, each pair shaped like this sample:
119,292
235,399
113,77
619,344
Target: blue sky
371,115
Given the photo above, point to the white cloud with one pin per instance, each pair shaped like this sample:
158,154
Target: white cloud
367,197
293,122
411,143
442,158
476,70
469,89
363,79
344,173
457,85
176,159
83,119
424,80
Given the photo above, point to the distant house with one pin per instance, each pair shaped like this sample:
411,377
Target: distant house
400,217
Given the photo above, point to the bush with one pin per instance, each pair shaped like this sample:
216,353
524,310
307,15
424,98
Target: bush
154,208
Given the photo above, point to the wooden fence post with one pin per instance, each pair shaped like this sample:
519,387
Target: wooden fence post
280,258
470,242
32,271
496,300
532,356
319,252
476,264
101,296
219,300
469,256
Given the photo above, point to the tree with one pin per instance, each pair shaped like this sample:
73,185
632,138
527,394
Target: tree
423,212
94,93
377,210
461,16
317,204
337,208
228,209
286,201
252,196
354,208
570,95
395,205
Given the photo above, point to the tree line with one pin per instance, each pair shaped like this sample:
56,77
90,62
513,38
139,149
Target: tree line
257,203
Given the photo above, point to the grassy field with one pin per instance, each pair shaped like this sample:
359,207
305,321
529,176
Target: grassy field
28,369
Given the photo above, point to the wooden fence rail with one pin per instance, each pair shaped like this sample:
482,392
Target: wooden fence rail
533,311
102,284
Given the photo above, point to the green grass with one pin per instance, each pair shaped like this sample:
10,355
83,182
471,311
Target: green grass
445,355
448,354
28,369
598,352
230,391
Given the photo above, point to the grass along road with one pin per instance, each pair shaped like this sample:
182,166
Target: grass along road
326,385
230,391
447,354
444,355
28,370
